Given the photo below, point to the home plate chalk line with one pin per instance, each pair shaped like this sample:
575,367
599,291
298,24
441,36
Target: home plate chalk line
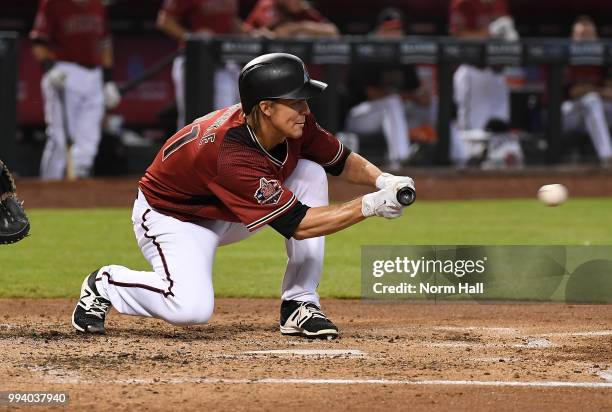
298,381
306,352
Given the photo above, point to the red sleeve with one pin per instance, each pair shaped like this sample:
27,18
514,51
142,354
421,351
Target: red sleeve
42,23
247,186
462,16
106,35
322,147
262,15
501,8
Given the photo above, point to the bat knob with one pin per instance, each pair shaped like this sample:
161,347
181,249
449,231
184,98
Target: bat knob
406,196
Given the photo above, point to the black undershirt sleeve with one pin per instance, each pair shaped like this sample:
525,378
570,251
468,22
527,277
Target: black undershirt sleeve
287,224
337,168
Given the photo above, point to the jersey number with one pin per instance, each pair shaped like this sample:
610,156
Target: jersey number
181,141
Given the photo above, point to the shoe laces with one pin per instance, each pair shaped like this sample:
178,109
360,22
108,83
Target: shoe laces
99,308
312,309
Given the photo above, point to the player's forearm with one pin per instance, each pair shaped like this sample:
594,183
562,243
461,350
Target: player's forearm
107,56
580,90
482,33
325,220
171,27
360,171
306,28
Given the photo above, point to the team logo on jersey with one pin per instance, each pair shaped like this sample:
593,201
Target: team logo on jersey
269,191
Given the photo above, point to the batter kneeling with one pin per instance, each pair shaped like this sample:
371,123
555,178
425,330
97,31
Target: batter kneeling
226,176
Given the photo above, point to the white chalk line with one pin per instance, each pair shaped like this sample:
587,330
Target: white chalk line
606,375
587,334
299,381
308,352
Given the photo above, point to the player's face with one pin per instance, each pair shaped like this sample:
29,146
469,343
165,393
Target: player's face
289,115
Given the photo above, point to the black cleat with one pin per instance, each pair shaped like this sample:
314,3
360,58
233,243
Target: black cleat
91,309
305,319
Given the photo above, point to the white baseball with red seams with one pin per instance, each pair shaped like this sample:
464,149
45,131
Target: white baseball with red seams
552,195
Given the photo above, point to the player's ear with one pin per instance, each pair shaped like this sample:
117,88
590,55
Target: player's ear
266,107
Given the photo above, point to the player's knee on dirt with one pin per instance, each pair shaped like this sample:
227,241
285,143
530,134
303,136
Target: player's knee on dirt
193,312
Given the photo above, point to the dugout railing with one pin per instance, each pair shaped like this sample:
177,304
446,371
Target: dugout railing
203,52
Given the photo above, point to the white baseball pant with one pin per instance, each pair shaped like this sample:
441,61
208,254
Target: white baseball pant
225,87
587,113
84,100
180,289
384,115
480,94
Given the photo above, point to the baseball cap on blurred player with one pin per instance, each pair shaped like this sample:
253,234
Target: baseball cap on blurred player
390,22
276,76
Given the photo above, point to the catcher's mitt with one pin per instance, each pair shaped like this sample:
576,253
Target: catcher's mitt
14,224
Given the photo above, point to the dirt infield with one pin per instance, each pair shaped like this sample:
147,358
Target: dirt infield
431,184
399,356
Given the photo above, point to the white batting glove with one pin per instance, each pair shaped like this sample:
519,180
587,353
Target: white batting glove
382,203
56,78
112,97
503,28
393,183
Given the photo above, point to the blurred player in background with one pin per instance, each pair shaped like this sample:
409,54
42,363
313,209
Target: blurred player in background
481,93
73,44
387,89
586,91
178,18
288,18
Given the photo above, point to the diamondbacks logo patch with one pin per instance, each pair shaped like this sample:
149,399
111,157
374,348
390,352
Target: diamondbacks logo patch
269,191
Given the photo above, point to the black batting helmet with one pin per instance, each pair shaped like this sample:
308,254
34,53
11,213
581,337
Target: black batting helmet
275,76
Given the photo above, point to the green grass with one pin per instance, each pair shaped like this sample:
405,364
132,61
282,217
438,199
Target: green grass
66,244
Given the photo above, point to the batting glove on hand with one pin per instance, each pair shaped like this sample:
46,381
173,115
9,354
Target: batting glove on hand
393,183
382,203
112,97
56,78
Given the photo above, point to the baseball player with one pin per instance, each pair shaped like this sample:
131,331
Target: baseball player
584,108
73,45
178,18
288,18
226,176
481,93
386,88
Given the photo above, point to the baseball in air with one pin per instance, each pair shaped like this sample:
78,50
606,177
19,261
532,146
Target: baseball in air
552,195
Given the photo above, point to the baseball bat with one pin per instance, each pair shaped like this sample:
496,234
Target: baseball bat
70,175
150,72
406,196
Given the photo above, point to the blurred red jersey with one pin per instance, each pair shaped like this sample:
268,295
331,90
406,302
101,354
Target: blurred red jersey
593,75
217,16
474,14
215,168
268,14
75,30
